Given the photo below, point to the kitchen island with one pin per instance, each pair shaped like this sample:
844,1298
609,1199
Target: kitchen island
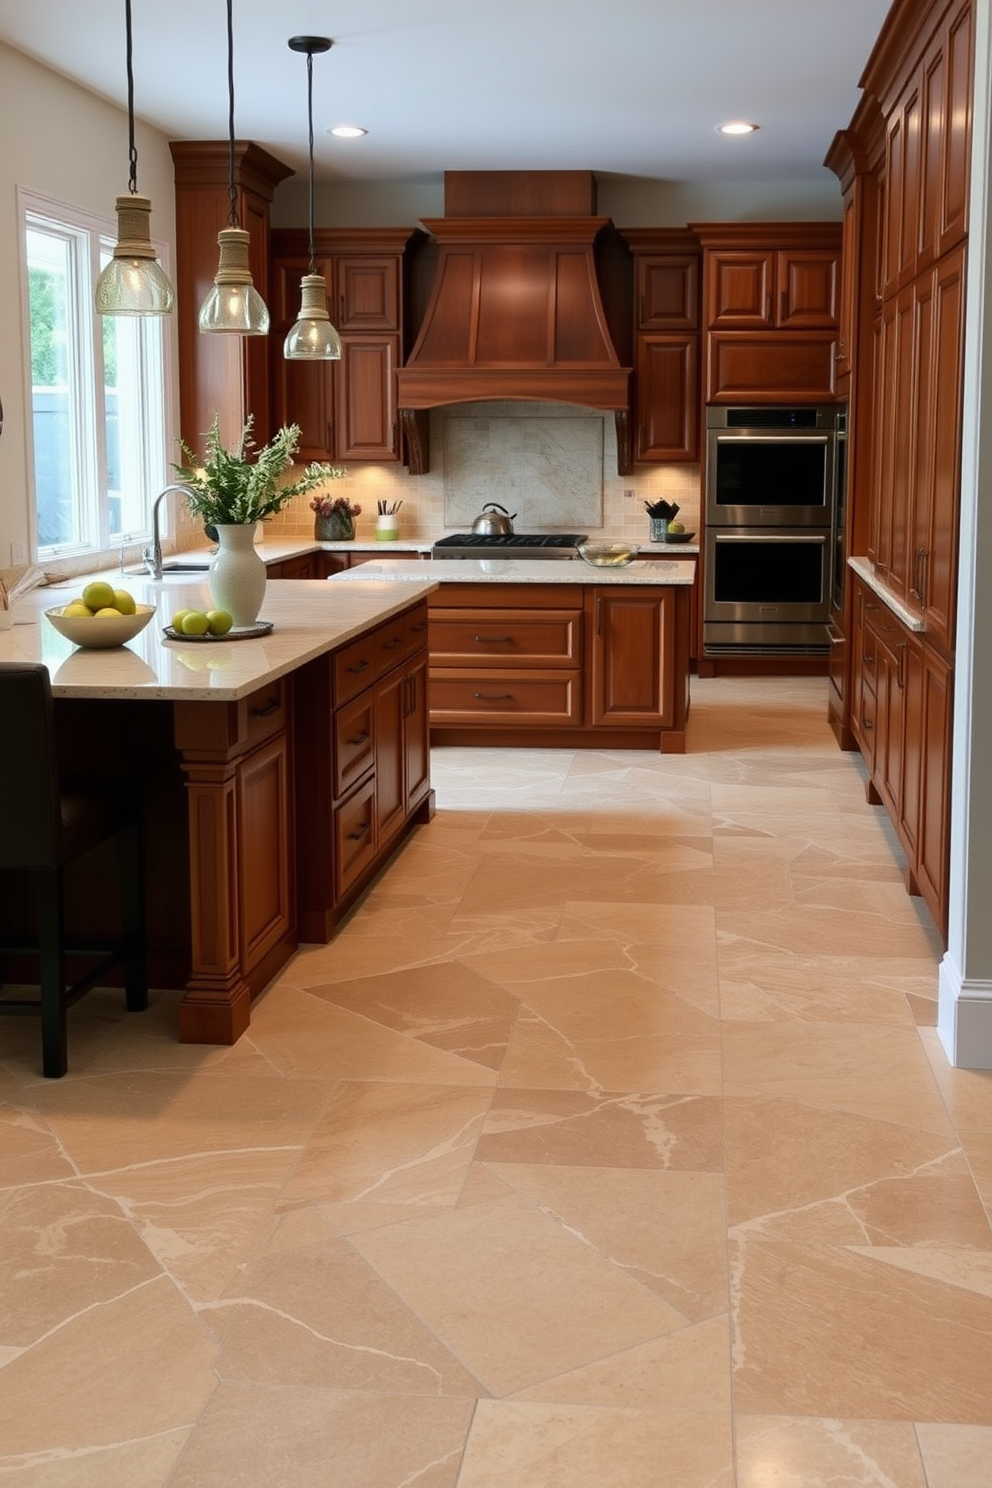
555,653
277,774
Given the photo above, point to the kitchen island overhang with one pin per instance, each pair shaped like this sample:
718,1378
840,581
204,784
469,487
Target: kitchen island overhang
539,653
261,831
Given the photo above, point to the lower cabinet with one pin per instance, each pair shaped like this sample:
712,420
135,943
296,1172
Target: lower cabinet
362,746
902,722
560,664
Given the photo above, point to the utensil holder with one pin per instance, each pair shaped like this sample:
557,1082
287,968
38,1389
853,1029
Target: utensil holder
659,529
387,527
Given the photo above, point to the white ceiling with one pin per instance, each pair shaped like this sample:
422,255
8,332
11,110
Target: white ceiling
625,88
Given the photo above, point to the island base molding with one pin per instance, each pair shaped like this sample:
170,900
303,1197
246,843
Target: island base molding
964,1017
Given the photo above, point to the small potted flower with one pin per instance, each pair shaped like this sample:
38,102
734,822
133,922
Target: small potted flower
334,519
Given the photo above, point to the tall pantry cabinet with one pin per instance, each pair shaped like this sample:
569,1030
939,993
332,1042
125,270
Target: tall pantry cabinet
904,166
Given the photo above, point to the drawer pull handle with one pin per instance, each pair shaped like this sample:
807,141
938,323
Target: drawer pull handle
359,741
867,723
270,707
359,832
493,697
360,667
391,645
867,658
494,640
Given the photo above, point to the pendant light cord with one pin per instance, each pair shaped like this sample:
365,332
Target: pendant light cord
310,144
232,195
132,149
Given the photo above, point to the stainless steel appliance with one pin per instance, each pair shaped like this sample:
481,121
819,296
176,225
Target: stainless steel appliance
771,477
513,545
770,467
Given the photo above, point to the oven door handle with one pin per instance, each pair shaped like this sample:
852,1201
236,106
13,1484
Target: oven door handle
763,436
734,535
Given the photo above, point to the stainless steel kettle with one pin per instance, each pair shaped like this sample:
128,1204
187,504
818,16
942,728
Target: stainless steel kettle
495,521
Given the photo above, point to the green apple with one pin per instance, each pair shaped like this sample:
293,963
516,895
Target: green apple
195,623
675,527
177,620
219,622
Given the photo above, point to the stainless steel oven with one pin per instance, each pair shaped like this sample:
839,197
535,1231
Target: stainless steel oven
766,590
770,467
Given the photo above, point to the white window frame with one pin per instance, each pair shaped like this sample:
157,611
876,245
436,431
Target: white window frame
148,389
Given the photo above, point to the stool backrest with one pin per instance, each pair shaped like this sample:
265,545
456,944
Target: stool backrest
30,807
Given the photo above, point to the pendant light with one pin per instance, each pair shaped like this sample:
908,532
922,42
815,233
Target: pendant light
133,283
234,306
313,337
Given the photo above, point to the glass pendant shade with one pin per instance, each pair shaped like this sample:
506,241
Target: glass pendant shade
134,283
234,306
313,338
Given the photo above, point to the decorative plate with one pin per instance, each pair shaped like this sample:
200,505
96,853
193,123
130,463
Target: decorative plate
236,633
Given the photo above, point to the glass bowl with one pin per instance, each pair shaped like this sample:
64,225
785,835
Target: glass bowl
97,632
603,554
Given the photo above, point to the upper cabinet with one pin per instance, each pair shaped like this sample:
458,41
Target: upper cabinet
771,297
226,375
666,345
346,410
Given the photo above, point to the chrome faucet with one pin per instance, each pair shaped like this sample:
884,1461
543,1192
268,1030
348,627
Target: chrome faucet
151,553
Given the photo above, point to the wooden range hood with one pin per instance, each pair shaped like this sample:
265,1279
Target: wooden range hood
522,308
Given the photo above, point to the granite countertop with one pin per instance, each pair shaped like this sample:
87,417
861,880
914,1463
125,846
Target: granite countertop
310,617
518,571
862,567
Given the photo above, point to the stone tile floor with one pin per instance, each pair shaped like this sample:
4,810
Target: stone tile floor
609,1145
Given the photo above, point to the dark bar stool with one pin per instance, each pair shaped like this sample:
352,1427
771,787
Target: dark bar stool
45,825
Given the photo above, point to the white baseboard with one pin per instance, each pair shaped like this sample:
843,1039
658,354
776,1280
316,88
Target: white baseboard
964,1018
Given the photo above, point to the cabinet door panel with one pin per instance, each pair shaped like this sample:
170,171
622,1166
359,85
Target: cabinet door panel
739,285
366,398
633,657
748,367
667,398
390,775
940,579
807,289
953,222
265,850
668,293
368,291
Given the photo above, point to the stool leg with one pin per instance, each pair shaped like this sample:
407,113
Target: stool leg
52,973
130,867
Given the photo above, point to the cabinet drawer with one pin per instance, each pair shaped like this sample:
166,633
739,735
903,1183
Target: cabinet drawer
354,668
264,713
354,836
516,698
417,628
524,638
354,743
390,644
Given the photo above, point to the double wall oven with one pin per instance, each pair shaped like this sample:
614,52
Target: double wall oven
771,497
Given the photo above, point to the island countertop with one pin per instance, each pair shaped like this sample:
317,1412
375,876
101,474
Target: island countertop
669,572
309,617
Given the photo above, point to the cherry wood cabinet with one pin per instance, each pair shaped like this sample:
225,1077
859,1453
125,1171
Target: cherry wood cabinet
362,749
347,409
227,375
902,721
560,665
770,311
666,345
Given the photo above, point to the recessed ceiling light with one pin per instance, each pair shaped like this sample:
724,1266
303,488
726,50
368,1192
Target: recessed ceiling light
348,131
737,127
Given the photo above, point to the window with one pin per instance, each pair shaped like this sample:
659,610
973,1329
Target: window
98,390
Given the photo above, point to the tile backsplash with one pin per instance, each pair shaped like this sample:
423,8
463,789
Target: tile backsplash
556,466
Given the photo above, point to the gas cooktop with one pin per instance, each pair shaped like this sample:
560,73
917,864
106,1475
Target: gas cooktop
514,545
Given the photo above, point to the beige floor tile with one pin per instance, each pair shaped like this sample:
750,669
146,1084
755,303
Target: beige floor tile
773,1450
147,1463
956,1456
802,1172
154,1376
391,1144
685,1371
570,1128
314,1438
666,1230
757,984
320,1317
862,1068
535,1445
513,1292
823,1331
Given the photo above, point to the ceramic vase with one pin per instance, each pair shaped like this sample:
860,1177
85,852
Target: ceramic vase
337,527
237,574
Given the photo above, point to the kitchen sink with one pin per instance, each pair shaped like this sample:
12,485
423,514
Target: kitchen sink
181,568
